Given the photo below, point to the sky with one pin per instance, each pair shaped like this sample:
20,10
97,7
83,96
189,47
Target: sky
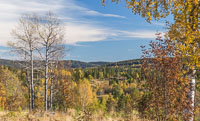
92,32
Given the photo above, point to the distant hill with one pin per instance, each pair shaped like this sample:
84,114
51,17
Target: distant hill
10,63
80,64
77,64
132,62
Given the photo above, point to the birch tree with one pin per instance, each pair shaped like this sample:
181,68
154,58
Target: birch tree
25,45
51,34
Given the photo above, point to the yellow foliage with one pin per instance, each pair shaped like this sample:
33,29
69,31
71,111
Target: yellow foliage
85,94
11,91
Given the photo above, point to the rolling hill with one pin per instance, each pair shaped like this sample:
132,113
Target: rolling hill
76,64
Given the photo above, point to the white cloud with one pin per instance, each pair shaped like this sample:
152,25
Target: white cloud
5,30
12,9
77,29
138,34
95,13
78,32
83,33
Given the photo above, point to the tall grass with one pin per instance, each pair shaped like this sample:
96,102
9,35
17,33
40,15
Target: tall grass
71,115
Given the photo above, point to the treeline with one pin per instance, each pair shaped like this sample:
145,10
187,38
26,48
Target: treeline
135,63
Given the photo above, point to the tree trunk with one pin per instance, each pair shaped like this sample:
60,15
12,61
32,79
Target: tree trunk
52,86
29,89
192,93
46,79
51,96
193,71
32,84
29,82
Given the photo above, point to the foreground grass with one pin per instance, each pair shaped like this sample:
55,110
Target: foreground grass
59,116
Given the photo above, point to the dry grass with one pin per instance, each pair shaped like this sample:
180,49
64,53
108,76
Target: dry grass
70,116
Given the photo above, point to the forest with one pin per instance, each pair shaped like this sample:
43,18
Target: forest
163,85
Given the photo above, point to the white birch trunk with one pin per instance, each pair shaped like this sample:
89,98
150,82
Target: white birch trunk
46,78
32,83
192,94
51,96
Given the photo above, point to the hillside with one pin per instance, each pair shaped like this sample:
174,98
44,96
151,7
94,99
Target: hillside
77,64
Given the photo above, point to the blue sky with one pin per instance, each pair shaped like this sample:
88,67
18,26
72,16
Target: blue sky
93,32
